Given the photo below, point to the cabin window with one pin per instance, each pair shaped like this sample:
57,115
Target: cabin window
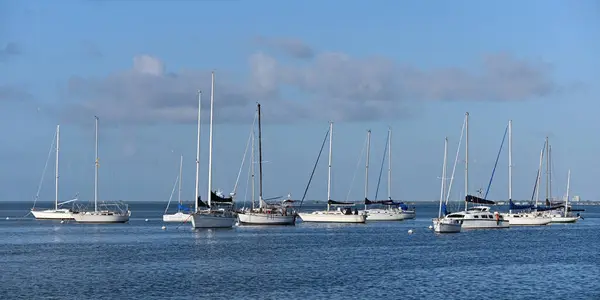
484,217
476,217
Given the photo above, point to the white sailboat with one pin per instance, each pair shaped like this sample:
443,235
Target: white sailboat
182,214
108,212
442,224
209,216
520,218
344,213
477,217
265,214
56,213
391,210
564,217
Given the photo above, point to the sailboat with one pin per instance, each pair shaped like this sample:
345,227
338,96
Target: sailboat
564,216
183,213
520,218
56,213
209,216
344,212
108,212
442,224
477,217
266,214
393,210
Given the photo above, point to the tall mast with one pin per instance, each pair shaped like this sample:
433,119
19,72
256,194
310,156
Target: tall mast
367,165
550,170
389,187
466,158
329,167
547,169
539,177
443,188
510,160
210,136
180,174
56,167
260,176
568,189
96,172
253,161
198,151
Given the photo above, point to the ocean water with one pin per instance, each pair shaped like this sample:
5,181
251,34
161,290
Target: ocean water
139,260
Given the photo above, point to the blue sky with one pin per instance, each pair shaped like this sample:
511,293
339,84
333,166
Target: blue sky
416,66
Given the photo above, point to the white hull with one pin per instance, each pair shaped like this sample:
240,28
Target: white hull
53,214
484,224
409,214
331,217
384,215
266,219
526,220
101,217
212,220
446,226
177,217
564,219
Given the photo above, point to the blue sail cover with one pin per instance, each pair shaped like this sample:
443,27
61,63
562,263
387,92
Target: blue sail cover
514,206
183,208
445,211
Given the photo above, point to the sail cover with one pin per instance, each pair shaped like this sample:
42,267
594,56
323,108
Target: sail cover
514,206
331,202
477,200
218,199
201,203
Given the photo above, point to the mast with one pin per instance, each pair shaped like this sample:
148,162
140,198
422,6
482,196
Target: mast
253,161
550,170
260,176
198,151
96,172
466,158
210,136
180,174
367,165
56,167
539,177
568,188
443,188
510,160
389,187
547,169
329,167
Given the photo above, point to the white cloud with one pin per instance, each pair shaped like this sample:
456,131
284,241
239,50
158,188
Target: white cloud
327,85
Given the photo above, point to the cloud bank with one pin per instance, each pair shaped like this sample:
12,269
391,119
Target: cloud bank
304,84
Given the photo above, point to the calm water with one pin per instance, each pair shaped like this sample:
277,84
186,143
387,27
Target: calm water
139,260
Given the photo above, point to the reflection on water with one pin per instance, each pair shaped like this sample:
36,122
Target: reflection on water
311,260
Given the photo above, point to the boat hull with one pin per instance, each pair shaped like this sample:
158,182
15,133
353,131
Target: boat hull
209,220
446,226
101,218
409,214
266,219
177,217
564,219
324,217
526,220
384,215
53,214
484,224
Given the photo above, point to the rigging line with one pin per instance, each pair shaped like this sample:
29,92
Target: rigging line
387,141
172,192
37,194
248,183
362,152
462,132
314,168
535,186
496,163
237,180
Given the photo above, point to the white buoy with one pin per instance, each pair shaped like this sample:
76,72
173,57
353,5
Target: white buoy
410,231
430,227
7,218
146,220
62,221
164,227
